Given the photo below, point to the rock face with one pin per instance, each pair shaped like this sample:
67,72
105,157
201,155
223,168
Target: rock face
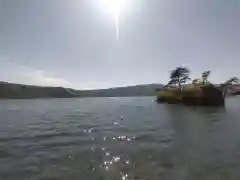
203,96
211,96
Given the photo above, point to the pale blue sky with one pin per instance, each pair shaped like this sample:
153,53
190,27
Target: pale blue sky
72,43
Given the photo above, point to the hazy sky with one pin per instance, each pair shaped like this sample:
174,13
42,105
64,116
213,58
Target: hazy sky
72,43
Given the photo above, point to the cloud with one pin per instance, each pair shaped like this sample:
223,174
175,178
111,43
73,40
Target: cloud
15,73
41,77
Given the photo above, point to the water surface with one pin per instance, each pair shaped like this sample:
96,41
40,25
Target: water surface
118,138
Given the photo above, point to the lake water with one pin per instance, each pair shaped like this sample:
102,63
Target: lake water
118,139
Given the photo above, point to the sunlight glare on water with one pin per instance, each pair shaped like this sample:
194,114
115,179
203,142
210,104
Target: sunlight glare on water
75,138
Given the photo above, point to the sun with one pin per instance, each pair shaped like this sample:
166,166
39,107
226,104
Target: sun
115,8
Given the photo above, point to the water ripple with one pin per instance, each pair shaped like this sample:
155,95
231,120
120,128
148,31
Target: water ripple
117,138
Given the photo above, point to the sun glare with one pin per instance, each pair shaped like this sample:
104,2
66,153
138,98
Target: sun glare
115,8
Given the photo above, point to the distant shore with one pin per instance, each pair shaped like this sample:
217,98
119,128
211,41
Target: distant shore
21,91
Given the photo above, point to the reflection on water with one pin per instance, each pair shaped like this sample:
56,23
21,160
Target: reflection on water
118,138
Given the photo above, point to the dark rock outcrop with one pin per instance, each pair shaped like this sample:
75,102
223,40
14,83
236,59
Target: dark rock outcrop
211,96
206,95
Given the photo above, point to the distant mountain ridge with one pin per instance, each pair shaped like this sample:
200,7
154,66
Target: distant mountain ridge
138,90
20,91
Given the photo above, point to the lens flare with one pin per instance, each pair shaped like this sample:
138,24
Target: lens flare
114,8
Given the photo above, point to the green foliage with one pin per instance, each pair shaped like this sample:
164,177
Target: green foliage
196,81
232,81
179,76
171,82
205,76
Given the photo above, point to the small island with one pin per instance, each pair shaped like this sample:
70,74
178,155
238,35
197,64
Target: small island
176,91
199,92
